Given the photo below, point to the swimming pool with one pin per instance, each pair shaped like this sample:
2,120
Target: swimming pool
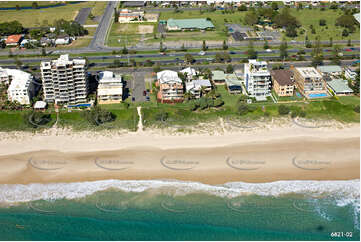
317,95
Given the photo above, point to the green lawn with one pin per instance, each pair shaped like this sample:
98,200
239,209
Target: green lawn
38,17
128,33
352,100
309,17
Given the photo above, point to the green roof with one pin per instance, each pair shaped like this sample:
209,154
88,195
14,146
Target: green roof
218,75
329,69
339,86
194,23
232,80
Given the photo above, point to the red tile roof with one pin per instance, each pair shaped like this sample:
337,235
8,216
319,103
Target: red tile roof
12,39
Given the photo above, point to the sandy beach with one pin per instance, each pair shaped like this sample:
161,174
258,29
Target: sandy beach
262,155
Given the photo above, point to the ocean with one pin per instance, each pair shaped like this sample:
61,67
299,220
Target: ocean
176,210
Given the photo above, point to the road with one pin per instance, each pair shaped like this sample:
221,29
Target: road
98,41
176,55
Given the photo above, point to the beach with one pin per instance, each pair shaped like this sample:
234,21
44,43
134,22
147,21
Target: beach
277,153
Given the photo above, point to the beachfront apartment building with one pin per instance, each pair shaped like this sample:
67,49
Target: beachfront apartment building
110,88
257,79
22,86
170,87
309,82
283,82
64,80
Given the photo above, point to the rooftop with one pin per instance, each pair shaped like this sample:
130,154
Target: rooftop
218,75
12,39
329,69
339,85
198,84
283,77
308,72
195,23
40,105
20,79
232,80
168,76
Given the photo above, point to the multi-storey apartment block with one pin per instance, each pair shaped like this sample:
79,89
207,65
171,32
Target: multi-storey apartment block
170,87
309,82
283,82
64,80
110,88
22,86
257,79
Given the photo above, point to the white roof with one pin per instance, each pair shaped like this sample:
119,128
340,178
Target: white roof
310,72
20,79
255,62
198,84
189,71
109,77
168,76
39,104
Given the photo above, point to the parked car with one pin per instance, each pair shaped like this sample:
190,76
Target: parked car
232,52
202,53
269,50
144,93
147,98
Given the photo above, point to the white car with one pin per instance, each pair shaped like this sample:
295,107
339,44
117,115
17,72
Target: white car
118,56
269,50
202,53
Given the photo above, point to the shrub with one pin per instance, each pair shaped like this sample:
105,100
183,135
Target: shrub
357,109
161,116
218,103
283,110
36,119
97,116
242,109
302,114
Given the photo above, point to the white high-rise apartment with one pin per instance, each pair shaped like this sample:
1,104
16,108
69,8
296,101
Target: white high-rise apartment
22,85
64,80
257,79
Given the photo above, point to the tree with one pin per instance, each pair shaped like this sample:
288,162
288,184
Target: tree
2,44
242,8
322,22
34,5
70,27
285,19
349,42
18,7
346,21
229,68
331,42
242,109
251,18
265,45
345,33
43,51
335,56
225,46
116,16
204,46
188,58
283,109
124,50
291,31
183,48
9,28
97,116
252,54
283,49
274,5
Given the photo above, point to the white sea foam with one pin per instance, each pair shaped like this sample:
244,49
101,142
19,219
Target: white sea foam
345,192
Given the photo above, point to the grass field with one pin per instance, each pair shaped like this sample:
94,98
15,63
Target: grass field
12,4
36,17
309,17
128,33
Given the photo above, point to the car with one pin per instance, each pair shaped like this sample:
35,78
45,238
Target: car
232,52
202,53
144,93
269,50
293,41
294,56
163,53
133,99
147,98
348,50
327,50
209,59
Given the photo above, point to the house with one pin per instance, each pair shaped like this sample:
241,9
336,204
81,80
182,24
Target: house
44,41
110,88
170,87
309,82
189,73
40,105
196,87
127,16
62,40
218,77
339,87
189,24
28,41
234,85
22,86
331,70
13,40
257,79
283,82
351,72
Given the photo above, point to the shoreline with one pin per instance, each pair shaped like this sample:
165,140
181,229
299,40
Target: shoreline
256,156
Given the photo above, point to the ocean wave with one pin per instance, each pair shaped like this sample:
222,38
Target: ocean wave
345,192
